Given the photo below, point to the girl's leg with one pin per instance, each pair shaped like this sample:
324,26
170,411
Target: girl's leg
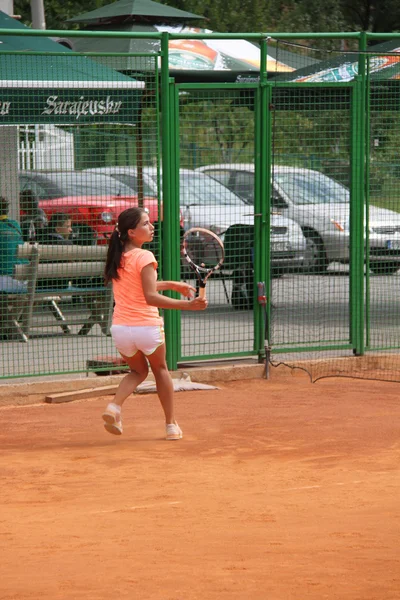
139,371
165,387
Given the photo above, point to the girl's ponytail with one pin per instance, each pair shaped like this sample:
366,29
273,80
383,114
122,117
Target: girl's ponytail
128,219
115,249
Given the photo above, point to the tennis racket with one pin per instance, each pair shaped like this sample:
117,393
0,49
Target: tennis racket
203,250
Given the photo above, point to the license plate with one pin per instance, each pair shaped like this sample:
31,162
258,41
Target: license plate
280,246
393,244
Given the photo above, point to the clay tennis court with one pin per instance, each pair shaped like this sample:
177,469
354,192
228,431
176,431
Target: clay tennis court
280,490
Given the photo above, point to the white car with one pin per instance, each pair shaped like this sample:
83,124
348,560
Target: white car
321,206
205,202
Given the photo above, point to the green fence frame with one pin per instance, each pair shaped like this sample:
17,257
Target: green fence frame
167,103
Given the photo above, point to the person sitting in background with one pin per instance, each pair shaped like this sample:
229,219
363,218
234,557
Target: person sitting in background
10,239
58,230
33,219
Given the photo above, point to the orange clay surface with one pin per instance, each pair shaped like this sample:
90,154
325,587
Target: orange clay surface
280,490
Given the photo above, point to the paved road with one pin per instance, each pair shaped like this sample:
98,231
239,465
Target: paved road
306,310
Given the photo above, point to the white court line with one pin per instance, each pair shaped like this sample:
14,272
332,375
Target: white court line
314,487
71,515
138,507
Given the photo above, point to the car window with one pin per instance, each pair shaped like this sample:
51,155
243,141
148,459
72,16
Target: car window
37,190
244,185
132,182
311,188
89,184
221,176
199,189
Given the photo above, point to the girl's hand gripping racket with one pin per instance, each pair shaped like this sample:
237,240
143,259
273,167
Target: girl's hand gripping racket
204,253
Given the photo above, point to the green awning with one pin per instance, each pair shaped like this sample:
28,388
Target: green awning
58,87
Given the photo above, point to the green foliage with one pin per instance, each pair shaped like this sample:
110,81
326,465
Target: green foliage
216,131
252,15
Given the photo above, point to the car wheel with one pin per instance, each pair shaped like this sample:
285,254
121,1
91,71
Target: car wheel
315,260
83,235
385,268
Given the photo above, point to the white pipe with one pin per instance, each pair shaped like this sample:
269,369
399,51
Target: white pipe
37,13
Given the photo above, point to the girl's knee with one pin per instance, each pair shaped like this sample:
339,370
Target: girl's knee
142,372
160,369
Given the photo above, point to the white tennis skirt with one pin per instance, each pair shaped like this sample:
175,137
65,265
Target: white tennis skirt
129,339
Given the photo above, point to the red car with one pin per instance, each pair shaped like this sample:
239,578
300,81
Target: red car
93,201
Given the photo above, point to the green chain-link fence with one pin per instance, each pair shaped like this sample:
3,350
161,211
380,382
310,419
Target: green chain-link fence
296,172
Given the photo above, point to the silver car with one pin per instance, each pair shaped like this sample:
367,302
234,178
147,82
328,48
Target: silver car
207,203
321,206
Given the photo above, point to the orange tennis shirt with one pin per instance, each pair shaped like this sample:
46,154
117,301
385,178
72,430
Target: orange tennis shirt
131,307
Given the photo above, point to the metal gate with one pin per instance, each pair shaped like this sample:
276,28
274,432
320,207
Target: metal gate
240,135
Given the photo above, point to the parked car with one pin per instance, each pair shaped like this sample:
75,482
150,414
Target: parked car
93,200
204,202
321,206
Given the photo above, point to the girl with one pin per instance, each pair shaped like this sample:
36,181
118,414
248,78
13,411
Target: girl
137,328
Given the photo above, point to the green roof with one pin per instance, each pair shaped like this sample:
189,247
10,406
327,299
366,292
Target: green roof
139,8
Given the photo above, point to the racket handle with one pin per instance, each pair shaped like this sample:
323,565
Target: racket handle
202,292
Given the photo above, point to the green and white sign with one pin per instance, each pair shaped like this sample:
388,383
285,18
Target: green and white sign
67,106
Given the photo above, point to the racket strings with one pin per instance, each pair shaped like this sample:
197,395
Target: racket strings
203,249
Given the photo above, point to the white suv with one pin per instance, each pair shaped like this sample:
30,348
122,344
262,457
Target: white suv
321,206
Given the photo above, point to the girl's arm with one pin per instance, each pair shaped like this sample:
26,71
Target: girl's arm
150,290
176,286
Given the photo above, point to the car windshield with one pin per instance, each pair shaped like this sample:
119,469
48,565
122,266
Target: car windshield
90,184
196,188
311,188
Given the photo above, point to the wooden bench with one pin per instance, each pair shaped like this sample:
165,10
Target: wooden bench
54,274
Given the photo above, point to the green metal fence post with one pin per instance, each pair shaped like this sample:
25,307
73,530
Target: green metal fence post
367,174
262,200
169,198
357,217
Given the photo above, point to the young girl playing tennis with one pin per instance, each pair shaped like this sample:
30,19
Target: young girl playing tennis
137,327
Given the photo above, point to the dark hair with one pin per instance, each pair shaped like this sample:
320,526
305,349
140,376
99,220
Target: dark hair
28,202
128,219
3,206
57,220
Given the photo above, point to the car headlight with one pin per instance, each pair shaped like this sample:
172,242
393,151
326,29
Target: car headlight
107,217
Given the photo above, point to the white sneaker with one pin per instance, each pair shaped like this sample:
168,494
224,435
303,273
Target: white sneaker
174,432
112,420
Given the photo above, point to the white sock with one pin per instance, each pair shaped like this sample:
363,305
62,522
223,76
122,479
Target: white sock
114,407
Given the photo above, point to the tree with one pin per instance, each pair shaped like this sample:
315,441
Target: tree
253,15
378,16
57,11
